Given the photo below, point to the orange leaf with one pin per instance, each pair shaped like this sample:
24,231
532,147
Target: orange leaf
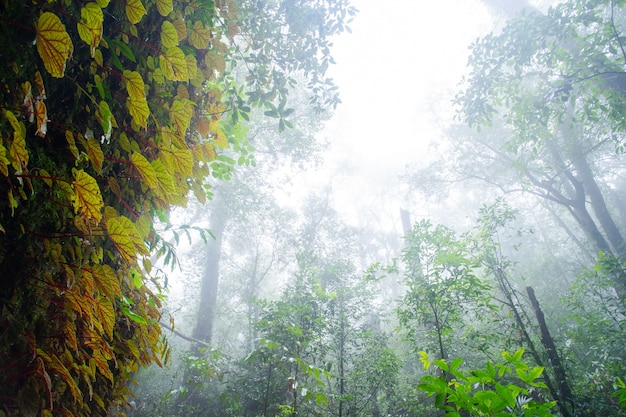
87,197
41,114
53,44
40,86
96,156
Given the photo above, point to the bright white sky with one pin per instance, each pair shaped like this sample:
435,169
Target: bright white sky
397,68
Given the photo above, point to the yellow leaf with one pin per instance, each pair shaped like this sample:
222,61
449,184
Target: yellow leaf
106,281
134,84
41,115
87,197
4,161
69,137
145,170
139,111
192,66
173,65
181,28
18,153
135,11
54,364
169,36
181,161
164,7
167,188
96,156
200,36
126,238
103,3
106,315
53,44
13,121
90,25
180,115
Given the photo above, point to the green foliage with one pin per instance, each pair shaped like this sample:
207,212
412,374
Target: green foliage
510,388
443,289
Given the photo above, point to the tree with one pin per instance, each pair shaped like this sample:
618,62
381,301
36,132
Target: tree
555,79
117,113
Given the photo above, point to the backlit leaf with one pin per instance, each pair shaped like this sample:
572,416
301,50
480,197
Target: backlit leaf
179,160
134,84
139,111
53,44
41,115
135,11
181,28
180,115
87,197
126,238
164,7
71,143
169,36
200,36
18,153
4,161
106,315
90,25
40,86
144,168
173,65
96,156
107,282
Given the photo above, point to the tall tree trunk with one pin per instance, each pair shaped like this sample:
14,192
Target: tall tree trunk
205,318
565,393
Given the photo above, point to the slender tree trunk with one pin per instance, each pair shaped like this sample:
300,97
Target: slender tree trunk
565,393
205,317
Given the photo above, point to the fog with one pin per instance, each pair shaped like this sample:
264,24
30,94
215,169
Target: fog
311,297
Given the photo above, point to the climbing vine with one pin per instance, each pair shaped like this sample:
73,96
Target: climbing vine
111,113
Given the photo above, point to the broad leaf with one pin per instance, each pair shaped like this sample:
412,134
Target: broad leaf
164,7
135,11
90,25
87,197
173,65
53,44
139,111
200,36
19,154
146,171
134,84
169,36
126,238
